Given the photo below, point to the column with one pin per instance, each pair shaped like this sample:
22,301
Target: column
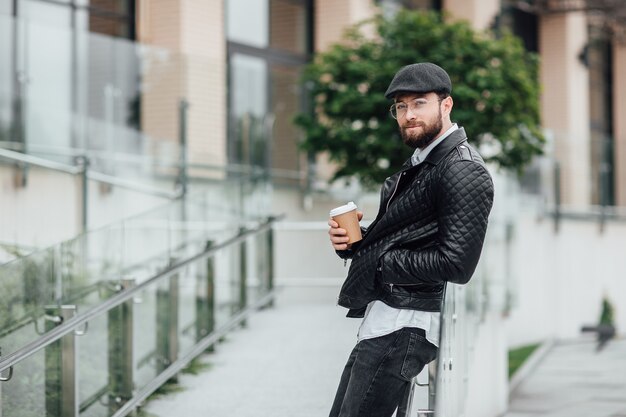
565,101
479,13
619,124
192,35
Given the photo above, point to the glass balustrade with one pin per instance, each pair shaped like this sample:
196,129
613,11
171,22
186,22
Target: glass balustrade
194,264
465,307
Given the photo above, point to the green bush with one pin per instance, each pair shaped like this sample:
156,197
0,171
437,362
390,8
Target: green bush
495,91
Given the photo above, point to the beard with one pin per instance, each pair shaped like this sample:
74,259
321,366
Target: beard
430,130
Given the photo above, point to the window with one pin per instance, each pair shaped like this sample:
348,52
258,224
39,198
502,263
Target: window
600,62
248,110
269,42
247,22
288,26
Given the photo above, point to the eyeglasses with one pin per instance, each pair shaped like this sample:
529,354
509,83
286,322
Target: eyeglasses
417,105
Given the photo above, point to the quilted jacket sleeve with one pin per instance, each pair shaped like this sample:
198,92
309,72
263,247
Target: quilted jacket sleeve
464,197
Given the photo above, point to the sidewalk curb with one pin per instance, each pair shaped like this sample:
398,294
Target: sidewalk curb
529,365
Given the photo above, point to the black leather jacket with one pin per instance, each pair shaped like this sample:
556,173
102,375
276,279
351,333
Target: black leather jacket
429,230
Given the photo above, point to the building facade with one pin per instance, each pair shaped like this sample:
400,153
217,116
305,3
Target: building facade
115,78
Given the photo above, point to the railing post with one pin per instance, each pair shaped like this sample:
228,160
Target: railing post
270,260
60,366
182,138
205,301
432,384
167,323
243,272
604,193
262,265
557,196
83,191
120,336
406,406
0,388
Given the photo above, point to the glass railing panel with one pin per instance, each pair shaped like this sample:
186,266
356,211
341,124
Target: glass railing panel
258,278
93,377
27,286
119,106
227,272
25,394
122,350
6,78
47,81
80,271
147,361
97,105
188,305
465,308
149,242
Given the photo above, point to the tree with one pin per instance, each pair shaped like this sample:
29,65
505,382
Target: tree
495,91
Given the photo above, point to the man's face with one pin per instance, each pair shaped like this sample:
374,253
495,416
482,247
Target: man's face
419,118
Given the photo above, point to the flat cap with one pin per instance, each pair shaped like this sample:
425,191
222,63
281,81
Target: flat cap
423,77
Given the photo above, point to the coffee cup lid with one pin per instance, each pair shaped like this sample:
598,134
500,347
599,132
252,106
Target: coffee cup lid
343,209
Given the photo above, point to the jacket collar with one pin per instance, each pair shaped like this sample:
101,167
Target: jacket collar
434,157
449,143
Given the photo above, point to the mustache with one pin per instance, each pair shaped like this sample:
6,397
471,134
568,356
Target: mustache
410,125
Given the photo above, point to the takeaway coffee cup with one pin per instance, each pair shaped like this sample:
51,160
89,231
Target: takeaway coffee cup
347,219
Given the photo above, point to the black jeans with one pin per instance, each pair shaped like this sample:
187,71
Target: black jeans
379,371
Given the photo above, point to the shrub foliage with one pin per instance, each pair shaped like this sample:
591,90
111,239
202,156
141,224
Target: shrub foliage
495,92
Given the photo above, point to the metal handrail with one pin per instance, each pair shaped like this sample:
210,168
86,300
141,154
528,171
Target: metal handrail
68,326
40,162
94,176
142,159
132,185
251,169
587,213
124,157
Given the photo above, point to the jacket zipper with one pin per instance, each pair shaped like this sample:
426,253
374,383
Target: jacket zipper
387,209
394,191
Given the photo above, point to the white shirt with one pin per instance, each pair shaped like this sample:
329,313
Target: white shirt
381,319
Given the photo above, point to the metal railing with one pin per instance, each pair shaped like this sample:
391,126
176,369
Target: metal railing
466,310
446,384
232,169
82,171
599,213
145,328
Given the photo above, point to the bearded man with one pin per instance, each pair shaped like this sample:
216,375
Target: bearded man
429,231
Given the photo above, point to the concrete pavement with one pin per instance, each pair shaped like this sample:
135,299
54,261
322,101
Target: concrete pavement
285,363
573,380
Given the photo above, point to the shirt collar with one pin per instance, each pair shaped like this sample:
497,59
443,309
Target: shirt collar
420,154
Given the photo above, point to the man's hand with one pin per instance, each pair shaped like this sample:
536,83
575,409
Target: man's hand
339,236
